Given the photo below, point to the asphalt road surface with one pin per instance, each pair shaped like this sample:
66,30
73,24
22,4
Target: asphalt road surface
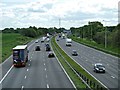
40,71
87,57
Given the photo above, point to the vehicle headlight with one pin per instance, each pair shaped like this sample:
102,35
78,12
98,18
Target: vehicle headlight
97,69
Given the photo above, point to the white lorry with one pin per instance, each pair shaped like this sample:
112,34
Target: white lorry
68,42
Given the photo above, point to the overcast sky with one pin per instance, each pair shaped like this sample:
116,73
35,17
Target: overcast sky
46,13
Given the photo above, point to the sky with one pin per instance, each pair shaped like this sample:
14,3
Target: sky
47,13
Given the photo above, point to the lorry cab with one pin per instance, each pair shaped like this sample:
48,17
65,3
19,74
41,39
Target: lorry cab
20,55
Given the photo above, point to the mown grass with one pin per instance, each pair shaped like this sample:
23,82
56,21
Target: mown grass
76,80
76,67
10,40
110,50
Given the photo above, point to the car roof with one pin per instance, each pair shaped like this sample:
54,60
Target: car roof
74,50
98,64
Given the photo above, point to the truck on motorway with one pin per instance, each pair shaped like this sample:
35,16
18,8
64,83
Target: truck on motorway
43,39
68,42
20,55
63,36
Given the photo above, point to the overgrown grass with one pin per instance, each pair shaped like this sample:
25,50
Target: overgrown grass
10,40
110,50
76,67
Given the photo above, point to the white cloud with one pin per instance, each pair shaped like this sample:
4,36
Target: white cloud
47,12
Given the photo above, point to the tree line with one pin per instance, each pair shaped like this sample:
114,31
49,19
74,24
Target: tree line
95,31
33,31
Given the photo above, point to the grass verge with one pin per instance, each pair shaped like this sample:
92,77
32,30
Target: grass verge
110,50
78,68
10,40
76,80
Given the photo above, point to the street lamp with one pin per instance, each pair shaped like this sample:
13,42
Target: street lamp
105,35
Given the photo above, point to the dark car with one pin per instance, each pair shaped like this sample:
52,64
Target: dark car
57,39
74,53
47,47
37,48
51,54
42,41
98,67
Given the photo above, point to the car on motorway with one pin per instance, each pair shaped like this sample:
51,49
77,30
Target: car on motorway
37,48
98,67
36,41
51,54
47,47
74,53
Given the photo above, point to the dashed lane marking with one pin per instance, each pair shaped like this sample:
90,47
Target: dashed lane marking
48,86
25,77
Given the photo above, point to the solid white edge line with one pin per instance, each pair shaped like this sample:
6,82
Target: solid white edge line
64,70
84,69
6,74
27,69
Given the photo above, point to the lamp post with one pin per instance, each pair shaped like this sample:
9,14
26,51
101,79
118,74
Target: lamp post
105,35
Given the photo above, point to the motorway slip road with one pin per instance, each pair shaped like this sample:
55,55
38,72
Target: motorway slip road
87,57
40,72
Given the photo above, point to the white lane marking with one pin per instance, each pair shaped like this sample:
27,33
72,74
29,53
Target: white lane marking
29,64
6,74
45,69
22,87
31,57
64,70
108,64
46,75
44,63
25,77
30,60
112,77
83,67
27,70
86,60
48,86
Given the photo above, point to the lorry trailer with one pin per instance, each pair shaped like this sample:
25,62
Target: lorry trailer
20,55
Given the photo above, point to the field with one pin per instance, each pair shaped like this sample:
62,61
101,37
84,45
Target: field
10,40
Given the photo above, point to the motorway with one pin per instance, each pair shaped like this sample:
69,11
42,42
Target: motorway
87,57
40,71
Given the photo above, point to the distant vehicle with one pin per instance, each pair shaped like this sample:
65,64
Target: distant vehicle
51,54
74,53
20,55
63,36
48,40
36,41
37,48
47,47
48,35
68,42
98,67
43,39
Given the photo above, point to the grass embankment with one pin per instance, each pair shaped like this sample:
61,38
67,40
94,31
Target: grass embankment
78,83
10,40
110,50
